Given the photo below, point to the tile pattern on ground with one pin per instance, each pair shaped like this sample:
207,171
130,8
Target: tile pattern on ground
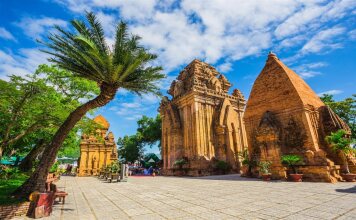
214,197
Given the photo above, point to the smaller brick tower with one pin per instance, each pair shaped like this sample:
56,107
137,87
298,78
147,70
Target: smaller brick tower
97,151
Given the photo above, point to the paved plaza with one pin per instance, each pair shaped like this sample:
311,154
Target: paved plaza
214,197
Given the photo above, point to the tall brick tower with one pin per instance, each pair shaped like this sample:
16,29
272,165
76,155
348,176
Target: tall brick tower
202,122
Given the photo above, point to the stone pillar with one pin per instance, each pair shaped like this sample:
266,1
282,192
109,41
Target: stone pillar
124,172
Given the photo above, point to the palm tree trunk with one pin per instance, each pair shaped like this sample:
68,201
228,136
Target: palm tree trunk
37,180
27,163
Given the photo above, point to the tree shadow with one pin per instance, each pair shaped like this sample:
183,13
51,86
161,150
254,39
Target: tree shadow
229,177
348,190
67,209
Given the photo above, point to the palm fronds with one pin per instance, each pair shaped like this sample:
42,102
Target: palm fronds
86,54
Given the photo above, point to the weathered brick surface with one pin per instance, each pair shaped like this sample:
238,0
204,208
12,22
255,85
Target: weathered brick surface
94,153
202,121
285,116
9,211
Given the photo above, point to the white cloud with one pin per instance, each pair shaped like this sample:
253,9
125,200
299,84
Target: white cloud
308,74
24,62
139,105
77,5
138,9
165,83
131,105
225,67
5,34
310,15
295,41
323,40
37,27
222,29
134,117
309,70
352,34
331,92
301,19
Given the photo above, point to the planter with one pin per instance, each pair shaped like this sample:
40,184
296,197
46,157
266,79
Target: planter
244,170
266,177
349,177
178,173
296,177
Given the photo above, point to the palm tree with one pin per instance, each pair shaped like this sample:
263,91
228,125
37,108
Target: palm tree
86,54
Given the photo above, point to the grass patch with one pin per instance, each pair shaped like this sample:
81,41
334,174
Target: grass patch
9,186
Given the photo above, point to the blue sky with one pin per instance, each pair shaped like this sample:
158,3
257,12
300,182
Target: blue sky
316,38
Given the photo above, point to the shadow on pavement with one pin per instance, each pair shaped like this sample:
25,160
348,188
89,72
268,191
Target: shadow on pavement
349,190
233,177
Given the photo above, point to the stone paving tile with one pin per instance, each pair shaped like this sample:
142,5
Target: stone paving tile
234,211
195,209
174,213
300,217
215,215
272,211
152,216
319,214
214,197
255,215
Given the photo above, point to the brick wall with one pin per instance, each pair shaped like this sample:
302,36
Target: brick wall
9,211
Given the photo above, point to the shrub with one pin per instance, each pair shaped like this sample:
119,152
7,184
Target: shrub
180,163
115,167
291,161
7,172
340,143
107,168
247,161
222,166
54,167
8,186
265,166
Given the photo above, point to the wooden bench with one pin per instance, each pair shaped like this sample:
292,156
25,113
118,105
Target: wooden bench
58,194
61,195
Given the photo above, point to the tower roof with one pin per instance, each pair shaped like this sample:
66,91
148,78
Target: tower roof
306,94
198,66
102,121
277,87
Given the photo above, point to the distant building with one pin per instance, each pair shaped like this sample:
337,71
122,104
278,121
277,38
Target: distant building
202,123
97,151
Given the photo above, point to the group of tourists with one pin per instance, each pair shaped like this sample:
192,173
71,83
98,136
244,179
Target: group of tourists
68,169
142,171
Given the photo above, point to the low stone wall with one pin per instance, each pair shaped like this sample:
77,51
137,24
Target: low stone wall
10,211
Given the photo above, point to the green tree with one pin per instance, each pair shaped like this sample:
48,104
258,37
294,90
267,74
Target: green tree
20,100
130,148
86,54
345,109
32,124
150,130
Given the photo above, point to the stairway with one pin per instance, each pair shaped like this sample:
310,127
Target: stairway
334,171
